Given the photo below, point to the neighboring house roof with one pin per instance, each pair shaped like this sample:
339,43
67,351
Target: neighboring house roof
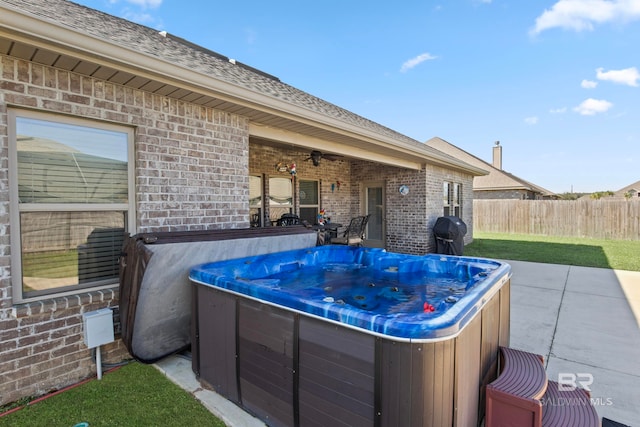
73,37
632,189
496,179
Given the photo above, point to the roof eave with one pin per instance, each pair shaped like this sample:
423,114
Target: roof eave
25,27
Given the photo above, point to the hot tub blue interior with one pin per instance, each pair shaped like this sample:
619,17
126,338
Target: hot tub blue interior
401,296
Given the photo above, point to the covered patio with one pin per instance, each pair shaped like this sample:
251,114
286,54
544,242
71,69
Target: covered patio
401,190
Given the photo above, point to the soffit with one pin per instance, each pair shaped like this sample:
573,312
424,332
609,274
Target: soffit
258,118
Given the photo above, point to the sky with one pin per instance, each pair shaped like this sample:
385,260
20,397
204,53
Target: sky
555,81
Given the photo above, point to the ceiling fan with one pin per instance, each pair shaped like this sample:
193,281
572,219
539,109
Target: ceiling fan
316,155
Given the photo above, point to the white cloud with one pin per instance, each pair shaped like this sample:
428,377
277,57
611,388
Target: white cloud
558,110
140,18
628,76
531,120
591,106
250,35
588,84
579,15
151,4
413,62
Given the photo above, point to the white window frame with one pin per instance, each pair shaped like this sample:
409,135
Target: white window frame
17,208
280,209
452,198
316,205
456,199
259,206
446,198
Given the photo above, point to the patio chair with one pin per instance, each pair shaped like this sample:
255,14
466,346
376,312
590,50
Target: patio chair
255,220
354,234
288,219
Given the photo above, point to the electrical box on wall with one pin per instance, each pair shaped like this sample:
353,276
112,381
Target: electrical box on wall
98,327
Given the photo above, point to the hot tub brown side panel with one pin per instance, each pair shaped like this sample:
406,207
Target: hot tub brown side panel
417,383
442,383
214,358
266,345
337,375
505,314
468,375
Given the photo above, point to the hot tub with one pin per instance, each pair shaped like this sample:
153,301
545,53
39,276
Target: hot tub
349,336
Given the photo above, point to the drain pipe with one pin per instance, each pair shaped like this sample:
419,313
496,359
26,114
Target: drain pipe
98,363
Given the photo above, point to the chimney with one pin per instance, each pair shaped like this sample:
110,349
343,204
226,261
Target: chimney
497,156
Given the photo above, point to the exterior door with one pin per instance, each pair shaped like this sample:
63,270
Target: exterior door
373,204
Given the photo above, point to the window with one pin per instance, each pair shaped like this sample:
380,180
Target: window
309,201
255,201
446,198
71,202
280,197
452,198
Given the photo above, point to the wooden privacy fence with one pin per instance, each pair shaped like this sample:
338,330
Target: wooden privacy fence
600,219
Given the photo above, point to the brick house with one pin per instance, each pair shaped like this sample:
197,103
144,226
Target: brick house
497,183
630,192
106,125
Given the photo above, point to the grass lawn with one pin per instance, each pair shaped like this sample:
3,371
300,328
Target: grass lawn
134,395
616,254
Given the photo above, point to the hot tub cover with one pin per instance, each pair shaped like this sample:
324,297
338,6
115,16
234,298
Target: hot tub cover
155,296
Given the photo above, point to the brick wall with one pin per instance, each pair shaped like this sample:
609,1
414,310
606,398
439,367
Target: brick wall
435,177
191,173
410,218
338,204
43,347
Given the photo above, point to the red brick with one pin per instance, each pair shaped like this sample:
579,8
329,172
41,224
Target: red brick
33,339
47,346
67,349
76,99
22,100
48,326
56,106
16,375
12,86
31,360
7,356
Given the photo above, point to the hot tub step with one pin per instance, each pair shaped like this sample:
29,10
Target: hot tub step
568,408
514,397
523,396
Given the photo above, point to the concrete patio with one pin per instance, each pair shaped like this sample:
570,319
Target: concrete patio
584,321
